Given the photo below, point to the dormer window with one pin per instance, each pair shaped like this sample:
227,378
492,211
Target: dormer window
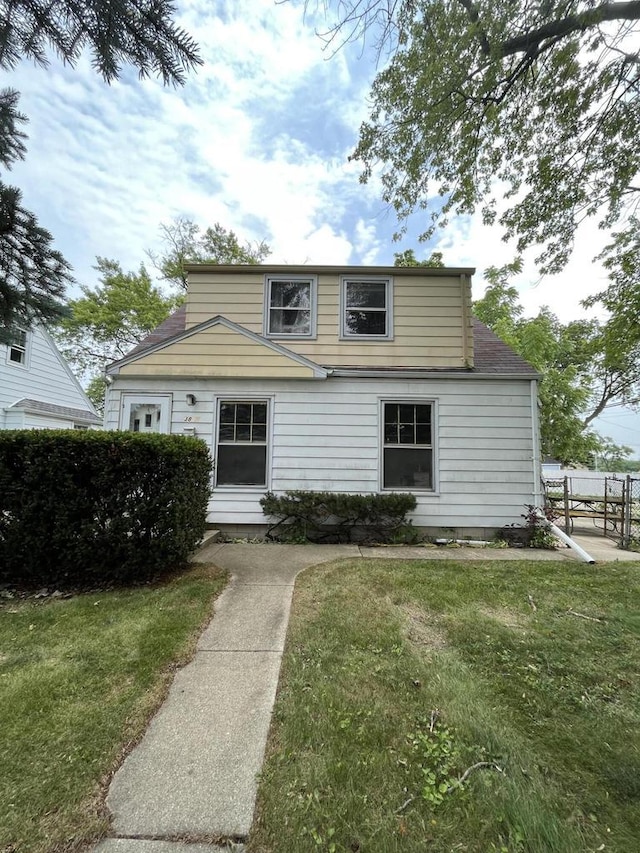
290,307
367,308
17,351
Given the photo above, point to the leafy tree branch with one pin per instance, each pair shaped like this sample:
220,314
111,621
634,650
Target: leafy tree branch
525,112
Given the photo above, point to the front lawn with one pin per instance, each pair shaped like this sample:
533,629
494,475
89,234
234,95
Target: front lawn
443,706
79,678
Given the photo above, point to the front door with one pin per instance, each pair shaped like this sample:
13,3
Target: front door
145,413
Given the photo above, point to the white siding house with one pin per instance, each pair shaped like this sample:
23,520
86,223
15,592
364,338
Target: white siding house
401,390
37,388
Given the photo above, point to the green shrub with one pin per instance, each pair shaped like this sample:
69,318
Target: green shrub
86,508
337,517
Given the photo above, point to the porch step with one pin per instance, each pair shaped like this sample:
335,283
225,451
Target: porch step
209,536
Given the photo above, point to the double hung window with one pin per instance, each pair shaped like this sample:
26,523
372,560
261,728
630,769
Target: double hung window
242,443
366,308
17,353
290,305
408,445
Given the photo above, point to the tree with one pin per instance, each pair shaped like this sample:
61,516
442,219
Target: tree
535,103
582,371
215,245
614,457
142,33
33,275
108,320
408,259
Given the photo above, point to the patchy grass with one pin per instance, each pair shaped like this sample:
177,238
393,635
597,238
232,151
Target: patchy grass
79,678
442,706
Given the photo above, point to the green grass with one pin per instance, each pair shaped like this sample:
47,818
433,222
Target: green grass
79,679
400,676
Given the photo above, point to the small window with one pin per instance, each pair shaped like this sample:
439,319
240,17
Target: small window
18,347
141,417
366,308
290,307
408,446
242,443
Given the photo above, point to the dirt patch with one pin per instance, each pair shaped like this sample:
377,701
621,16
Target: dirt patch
506,617
422,627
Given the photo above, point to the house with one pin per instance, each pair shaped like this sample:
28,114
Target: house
350,379
37,388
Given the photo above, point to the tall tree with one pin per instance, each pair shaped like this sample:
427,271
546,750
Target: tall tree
186,244
408,259
583,369
141,33
108,320
531,105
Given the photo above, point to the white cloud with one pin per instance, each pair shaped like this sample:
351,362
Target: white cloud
257,139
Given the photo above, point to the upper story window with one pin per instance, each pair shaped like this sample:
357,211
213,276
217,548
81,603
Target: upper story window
290,307
366,308
17,347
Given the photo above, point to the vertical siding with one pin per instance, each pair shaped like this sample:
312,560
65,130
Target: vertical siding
326,436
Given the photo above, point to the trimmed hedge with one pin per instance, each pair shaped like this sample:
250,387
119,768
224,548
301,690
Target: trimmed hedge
337,517
84,508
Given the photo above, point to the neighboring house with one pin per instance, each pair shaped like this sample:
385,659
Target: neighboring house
349,379
37,388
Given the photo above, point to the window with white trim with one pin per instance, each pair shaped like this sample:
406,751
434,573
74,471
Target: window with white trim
241,457
407,452
17,351
290,307
366,308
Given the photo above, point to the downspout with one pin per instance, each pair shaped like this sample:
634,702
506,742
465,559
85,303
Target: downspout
535,438
562,536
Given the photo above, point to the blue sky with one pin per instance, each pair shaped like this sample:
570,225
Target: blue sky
258,139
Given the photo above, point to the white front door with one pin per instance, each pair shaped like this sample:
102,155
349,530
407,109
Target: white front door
146,413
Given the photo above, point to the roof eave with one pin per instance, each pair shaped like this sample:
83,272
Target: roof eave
300,269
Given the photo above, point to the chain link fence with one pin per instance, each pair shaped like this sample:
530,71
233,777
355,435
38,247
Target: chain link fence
610,502
631,536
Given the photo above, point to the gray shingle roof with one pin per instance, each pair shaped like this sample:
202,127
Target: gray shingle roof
173,325
491,355
83,415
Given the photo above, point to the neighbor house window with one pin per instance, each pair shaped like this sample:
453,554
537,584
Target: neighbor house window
366,308
17,353
242,443
290,307
408,445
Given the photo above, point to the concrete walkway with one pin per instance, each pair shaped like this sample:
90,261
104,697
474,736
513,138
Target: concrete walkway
190,785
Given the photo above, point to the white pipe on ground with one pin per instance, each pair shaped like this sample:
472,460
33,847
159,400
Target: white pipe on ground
562,536
462,542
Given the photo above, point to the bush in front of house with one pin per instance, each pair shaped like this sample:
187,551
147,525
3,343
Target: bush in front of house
87,508
338,517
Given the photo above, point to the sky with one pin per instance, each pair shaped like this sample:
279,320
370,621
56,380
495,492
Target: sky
258,139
